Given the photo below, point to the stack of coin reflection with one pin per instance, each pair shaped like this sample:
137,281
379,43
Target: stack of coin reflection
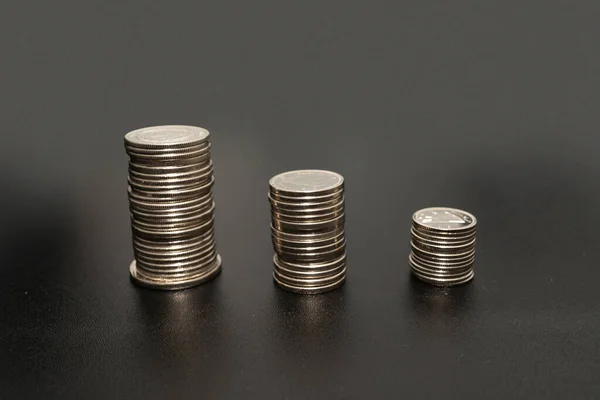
443,246
171,204
307,230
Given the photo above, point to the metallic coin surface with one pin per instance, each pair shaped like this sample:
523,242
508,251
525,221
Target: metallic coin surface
158,151
306,182
316,226
168,283
444,219
166,136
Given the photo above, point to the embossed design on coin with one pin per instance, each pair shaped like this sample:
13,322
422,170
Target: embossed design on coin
168,135
310,181
444,218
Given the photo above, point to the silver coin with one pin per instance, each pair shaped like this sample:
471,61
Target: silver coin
443,265
320,226
145,158
164,221
302,275
307,218
313,266
309,270
158,205
445,249
443,281
415,246
163,255
309,211
443,262
426,236
166,150
175,275
325,254
305,236
169,195
304,243
309,277
300,206
172,229
173,168
306,183
166,136
310,248
159,282
169,262
303,281
173,222
150,187
176,252
309,289
174,246
166,234
178,267
301,200
178,262
183,213
439,274
444,219
443,244
195,162
205,171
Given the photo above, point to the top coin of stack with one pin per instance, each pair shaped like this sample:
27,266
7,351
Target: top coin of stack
307,230
443,246
171,204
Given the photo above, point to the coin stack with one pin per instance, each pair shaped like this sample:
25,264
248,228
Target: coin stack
307,230
443,246
171,204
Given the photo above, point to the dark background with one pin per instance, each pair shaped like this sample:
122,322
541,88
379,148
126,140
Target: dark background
491,107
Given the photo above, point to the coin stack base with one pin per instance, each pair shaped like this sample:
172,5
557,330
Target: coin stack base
172,207
140,280
443,246
307,230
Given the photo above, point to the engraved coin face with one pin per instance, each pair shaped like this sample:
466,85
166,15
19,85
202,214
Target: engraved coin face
167,136
442,218
310,181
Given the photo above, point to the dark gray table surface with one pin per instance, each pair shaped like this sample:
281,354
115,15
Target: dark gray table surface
491,107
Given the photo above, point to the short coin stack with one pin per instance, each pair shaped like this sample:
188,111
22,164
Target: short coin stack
307,230
443,246
171,204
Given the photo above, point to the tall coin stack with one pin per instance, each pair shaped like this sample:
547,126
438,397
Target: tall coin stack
171,204
443,246
307,230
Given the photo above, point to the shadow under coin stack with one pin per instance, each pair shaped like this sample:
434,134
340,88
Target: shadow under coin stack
171,204
307,230
443,246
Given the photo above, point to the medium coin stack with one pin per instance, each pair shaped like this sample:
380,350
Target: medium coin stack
443,246
307,230
171,204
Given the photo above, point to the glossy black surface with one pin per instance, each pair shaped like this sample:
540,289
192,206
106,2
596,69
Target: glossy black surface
491,108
